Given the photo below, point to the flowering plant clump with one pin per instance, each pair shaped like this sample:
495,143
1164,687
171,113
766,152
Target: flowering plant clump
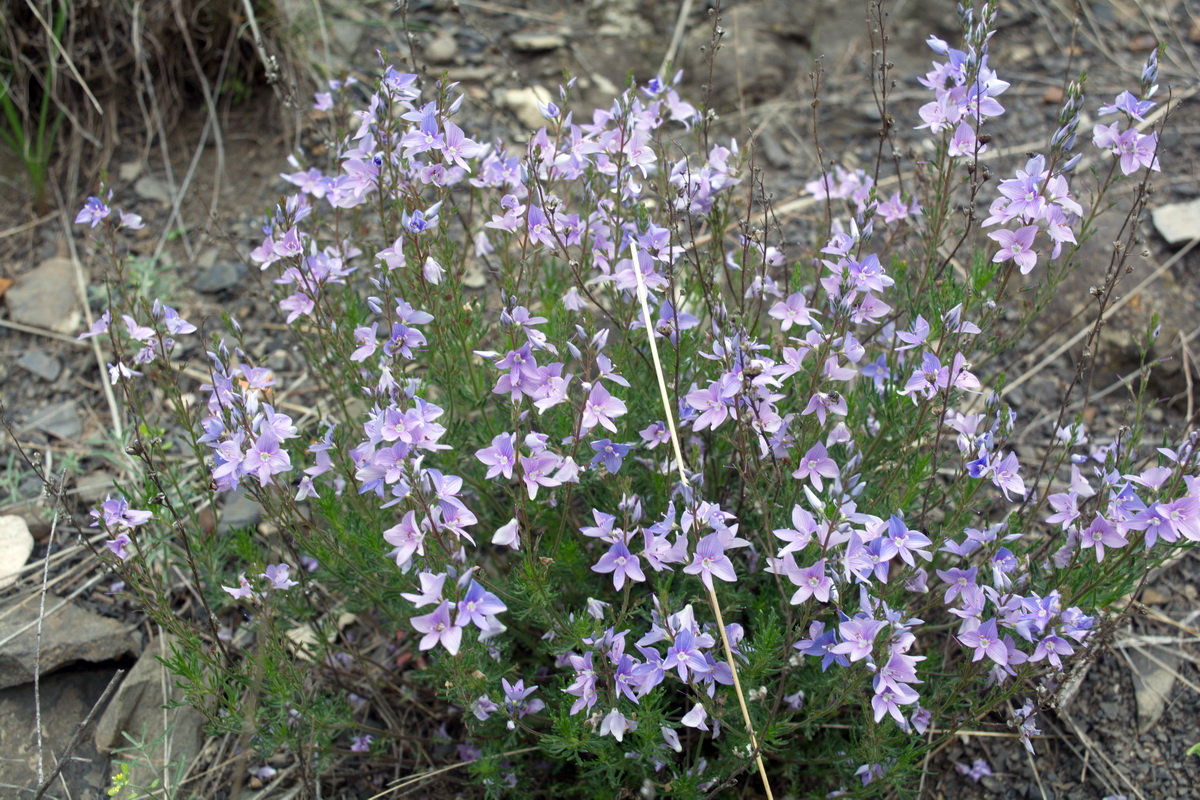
651,502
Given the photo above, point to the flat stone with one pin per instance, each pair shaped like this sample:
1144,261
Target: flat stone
219,277
46,297
1177,223
66,698
525,104
130,171
536,42
41,363
137,709
149,187
94,487
1153,679
61,421
69,635
240,511
441,49
16,544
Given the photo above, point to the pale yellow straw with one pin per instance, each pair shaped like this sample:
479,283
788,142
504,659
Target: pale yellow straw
712,595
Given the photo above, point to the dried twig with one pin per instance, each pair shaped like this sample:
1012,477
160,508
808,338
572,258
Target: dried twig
79,730
37,651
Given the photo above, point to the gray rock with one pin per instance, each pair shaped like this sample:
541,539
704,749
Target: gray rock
61,421
95,487
220,276
441,49
41,363
1153,679
15,546
66,699
130,170
1178,223
536,42
137,709
69,635
46,297
524,103
993,785
240,511
149,187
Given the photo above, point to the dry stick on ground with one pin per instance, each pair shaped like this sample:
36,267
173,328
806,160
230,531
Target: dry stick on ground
1087,742
78,734
712,594
1187,376
37,657
1108,312
1078,403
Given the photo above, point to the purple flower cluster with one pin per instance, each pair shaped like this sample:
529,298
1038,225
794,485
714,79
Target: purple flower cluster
115,515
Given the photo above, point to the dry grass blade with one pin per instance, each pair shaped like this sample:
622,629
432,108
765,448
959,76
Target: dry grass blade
1092,747
66,57
413,780
712,595
685,8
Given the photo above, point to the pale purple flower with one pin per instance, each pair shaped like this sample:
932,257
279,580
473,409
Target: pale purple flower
508,535
431,590
908,542
93,212
438,630
985,638
793,311
858,638
537,469
621,563
266,458
501,457
100,326
601,408
517,702
477,605
483,707
361,744
889,701
977,771
611,453
815,465
1101,534
408,538
364,337
242,591
696,717
120,545
1018,246
616,724
710,559
713,403
822,403
1052,648
277,574
813,582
